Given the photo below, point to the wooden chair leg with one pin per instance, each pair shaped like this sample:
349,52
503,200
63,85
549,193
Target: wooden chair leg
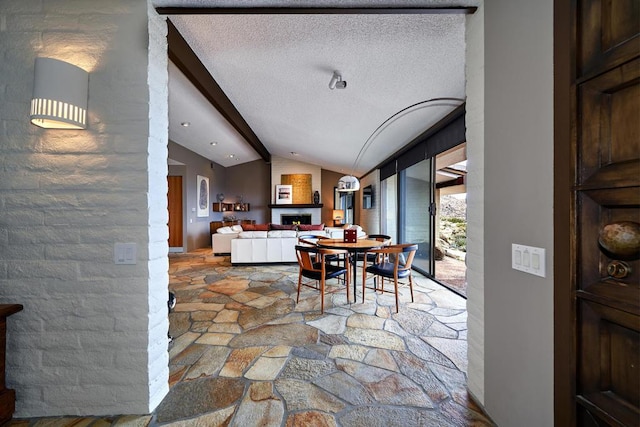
364,282
411,286
299,286
395,282
346,280
322,295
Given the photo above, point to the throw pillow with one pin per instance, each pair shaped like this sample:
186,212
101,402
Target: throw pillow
224,230
261,227
237,228
310,227
283,227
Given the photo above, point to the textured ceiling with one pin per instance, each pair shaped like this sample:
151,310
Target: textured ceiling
276,70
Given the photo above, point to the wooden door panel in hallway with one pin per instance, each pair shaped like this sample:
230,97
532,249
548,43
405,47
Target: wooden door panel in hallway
174,196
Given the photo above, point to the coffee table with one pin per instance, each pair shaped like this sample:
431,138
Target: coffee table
361,245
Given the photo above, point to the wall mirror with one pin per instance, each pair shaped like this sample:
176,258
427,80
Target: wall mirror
367,197
344,200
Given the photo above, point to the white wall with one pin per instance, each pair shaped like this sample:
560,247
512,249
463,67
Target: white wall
474,71
370,218
92,336
518,208
281,165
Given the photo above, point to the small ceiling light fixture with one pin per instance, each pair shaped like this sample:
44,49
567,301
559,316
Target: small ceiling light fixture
337,82
293,153
60,92
185,124
213,143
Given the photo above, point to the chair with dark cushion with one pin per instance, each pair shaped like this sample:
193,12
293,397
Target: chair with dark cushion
395,263
372,257
313,264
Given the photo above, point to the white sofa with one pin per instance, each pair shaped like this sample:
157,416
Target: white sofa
274,246
221,239
264,247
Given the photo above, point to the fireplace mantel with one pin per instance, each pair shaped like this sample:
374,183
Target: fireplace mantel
298,206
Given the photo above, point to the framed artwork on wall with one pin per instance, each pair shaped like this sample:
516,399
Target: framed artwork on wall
202,197
284,194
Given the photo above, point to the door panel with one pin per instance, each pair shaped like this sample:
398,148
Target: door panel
606,191
417,225
174,199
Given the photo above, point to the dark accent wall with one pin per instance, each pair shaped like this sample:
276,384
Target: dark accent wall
252,181
329,181
196,230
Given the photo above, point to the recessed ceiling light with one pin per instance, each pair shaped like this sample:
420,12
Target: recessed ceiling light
232,156
185,124
293,153
213,143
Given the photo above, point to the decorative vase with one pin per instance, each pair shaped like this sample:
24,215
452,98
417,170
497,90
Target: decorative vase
316,198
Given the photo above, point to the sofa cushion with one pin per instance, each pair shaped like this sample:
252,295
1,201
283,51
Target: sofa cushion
253,235
225,230
312,233
255,227
282,227
237,228
282,233
310,227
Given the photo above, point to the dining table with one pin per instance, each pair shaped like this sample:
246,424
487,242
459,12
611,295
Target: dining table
360,245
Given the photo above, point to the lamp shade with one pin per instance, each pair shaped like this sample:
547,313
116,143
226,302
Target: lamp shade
60,94
338,214
348,183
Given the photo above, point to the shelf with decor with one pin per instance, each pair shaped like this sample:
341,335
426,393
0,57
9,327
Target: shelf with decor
231,207
222,207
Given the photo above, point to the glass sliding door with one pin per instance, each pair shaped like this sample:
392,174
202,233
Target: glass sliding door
389,207
415,202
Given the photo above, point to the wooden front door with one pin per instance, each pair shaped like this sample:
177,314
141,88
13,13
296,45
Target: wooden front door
597,356
174,196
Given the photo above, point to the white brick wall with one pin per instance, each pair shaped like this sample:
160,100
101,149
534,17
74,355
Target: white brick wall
92,336
370,218
158,368
475,201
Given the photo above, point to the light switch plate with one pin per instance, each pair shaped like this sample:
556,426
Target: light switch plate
124,253
528,259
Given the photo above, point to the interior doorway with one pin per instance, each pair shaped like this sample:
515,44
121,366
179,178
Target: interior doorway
175,207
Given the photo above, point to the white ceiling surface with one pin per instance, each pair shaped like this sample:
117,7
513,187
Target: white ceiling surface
276,70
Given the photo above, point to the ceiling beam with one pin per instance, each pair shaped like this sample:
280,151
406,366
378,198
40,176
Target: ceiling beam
426,10
181,54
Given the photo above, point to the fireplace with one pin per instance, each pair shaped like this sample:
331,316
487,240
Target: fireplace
301,218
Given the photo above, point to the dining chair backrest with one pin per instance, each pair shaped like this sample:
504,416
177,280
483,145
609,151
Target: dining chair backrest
307,255
402,254
384,239
381,238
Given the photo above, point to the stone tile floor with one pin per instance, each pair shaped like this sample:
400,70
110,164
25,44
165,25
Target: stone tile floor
245,354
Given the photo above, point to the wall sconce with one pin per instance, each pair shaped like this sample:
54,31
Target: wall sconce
59,95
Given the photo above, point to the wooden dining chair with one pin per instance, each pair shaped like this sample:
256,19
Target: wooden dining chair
372,257
313,265
395,263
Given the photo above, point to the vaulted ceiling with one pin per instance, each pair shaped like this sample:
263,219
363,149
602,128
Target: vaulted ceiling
404,72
